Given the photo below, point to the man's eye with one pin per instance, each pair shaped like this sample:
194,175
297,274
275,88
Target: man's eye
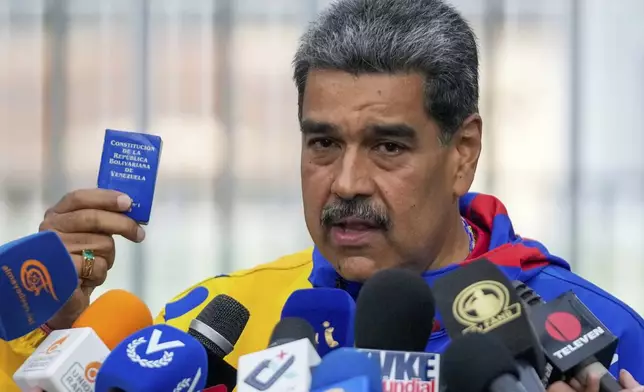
321,143
390,148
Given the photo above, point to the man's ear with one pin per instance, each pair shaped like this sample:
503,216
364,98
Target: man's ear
466,150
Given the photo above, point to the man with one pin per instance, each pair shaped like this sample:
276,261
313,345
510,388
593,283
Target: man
391,137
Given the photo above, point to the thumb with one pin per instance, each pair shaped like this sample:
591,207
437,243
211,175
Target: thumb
627,380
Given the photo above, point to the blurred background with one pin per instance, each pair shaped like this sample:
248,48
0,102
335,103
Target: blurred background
562,101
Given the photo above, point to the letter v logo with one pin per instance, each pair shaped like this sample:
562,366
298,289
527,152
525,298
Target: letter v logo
154,345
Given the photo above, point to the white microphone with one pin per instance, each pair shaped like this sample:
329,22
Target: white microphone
67,360
285,365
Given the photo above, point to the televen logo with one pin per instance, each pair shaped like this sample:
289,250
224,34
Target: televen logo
565,327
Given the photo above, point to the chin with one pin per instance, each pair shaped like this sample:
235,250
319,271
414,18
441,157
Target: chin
356,268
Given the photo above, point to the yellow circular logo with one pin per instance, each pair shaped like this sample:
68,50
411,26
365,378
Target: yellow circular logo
480,301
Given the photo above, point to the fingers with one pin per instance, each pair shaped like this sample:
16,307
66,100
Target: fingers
560,386
628,381
576,385
99,271
94,221
87,290
592,383
100,199
104,253
100,243
86,220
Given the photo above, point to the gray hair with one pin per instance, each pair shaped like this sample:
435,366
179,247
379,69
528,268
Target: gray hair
391,36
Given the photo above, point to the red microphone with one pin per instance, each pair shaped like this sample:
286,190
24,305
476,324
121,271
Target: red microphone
216,388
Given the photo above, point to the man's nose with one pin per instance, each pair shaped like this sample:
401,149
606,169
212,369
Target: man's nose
353,176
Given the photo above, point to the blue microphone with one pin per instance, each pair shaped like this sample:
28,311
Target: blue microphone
329,311
37,277
348,370
156,358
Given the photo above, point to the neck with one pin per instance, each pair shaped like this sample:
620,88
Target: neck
457,245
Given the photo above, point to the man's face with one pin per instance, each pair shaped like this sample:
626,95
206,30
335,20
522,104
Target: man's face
378,188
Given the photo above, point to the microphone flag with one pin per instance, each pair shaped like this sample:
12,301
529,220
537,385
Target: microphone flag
330,312
37,277
159,357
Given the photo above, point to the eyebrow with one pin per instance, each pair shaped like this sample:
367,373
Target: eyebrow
310,127
397,131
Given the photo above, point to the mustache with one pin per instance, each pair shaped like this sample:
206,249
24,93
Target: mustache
357,208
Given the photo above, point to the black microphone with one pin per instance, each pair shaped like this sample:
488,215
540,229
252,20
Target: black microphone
394,311
575,342
290,329
393,323
218,327
480,363
478,298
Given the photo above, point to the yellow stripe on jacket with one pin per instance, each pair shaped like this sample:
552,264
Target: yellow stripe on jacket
263,290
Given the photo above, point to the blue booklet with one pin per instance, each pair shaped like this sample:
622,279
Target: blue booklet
129,164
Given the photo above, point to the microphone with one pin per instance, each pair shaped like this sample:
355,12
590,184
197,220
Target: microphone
69,359
218,327
394,321
285,365
347,370
575,342
480,363
37,278
329,311
478,298
217,388
156,358
115,307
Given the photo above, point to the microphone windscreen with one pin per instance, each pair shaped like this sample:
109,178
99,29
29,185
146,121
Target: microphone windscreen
37,277
344,364
395,311
329,311
114,316
571,334
473,361
478,297
218,327
291,329
157,358
226,316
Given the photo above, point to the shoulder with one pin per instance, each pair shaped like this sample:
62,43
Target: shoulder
265,278
246,286
289,264
619,318
553,281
